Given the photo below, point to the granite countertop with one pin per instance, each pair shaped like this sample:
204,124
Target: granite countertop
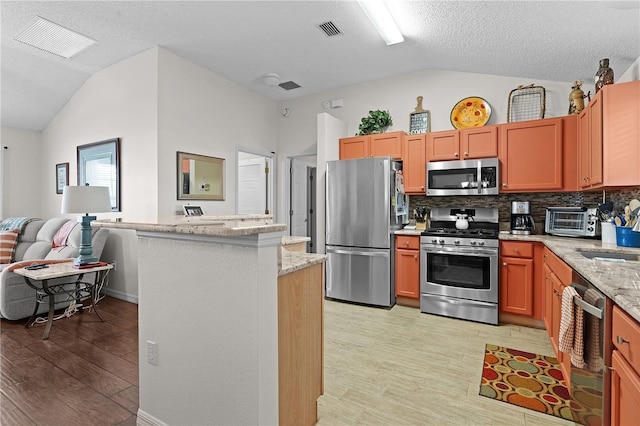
288,240
295,261
618,281
223,226
409,231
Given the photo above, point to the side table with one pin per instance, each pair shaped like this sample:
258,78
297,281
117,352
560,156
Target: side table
72,289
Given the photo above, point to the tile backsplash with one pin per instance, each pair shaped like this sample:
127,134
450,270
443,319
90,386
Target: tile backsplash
538,202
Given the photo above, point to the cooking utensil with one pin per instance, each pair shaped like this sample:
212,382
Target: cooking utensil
618,221
634,204
627,214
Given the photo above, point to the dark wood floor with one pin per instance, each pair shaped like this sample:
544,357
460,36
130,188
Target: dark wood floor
85,374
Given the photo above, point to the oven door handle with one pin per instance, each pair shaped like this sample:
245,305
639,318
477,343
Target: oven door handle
466,303
478,253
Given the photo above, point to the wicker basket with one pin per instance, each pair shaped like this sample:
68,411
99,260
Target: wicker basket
526,103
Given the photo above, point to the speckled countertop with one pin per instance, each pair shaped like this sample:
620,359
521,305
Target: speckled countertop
619,281
223,226
295,261
409,232
288,240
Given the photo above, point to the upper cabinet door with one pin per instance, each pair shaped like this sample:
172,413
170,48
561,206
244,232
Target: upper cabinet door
479,142
386,144
414,164
354,147
443,145
531,156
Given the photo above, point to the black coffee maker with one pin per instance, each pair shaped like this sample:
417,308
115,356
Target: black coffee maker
522,222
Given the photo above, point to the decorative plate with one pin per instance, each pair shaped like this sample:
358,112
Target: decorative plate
470,112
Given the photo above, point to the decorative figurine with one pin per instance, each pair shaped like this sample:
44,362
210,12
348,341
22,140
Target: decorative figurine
576,98
604,74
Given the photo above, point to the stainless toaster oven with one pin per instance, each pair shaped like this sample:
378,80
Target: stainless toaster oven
572,222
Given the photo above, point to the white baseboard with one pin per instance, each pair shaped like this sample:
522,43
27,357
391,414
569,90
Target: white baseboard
145,419
120,295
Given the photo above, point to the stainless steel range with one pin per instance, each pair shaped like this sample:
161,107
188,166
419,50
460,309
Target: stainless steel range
459,264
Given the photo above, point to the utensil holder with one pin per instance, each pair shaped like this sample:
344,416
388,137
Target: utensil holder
608,233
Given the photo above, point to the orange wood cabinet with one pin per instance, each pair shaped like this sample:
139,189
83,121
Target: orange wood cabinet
465,144
376,145
625,377
408,266
590,144
516,277
300,345
414,164
539,155
621,133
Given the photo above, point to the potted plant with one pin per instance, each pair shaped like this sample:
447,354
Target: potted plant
376,122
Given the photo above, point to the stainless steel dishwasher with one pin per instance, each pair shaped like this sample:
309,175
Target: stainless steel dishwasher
591,384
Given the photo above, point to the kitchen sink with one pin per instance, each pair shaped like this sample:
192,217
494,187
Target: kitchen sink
607,255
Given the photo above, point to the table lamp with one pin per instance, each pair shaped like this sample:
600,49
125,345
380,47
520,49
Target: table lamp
85,199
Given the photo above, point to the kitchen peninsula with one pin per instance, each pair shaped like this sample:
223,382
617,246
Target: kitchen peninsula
208,318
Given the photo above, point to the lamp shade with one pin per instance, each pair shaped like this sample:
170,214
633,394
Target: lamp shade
85,199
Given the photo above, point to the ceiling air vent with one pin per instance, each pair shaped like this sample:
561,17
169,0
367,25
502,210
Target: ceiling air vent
289,85
330,29
53,38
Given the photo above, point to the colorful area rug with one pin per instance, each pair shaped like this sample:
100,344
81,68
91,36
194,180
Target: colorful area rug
525,379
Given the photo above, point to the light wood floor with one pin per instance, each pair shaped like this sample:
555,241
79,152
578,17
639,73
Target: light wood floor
401,367
391,367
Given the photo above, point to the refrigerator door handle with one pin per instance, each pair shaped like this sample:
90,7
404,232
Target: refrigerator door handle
358,253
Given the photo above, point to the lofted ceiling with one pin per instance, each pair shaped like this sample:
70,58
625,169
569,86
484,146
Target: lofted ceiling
244,40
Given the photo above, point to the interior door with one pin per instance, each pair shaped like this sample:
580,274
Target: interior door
251,180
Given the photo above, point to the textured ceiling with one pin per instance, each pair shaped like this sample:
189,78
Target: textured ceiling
244,40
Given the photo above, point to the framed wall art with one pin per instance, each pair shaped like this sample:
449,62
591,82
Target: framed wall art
420,119
99,165
62,176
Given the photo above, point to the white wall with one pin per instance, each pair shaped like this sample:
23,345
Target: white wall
633,73
22,168
202,113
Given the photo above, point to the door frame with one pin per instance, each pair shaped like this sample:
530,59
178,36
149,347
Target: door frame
286,199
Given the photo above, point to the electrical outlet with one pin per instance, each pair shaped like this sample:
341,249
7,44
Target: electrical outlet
152,352
115,266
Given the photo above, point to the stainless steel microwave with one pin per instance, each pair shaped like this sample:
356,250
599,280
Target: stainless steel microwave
572,222
466,177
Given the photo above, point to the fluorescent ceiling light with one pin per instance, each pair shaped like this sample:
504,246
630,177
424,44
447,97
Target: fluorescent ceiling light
379,15
53,38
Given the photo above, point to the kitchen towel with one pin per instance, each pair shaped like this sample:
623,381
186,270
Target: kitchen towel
593,342
572,328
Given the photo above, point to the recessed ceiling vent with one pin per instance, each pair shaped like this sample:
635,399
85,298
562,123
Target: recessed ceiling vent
289,85
54,38
330,29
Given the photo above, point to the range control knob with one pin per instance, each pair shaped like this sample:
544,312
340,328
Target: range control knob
456,242
441,241
434,241
473,243
481,243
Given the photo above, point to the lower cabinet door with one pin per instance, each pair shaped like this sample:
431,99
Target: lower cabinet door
408,273
625,392
516,285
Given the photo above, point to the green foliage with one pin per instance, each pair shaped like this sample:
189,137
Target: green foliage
375,122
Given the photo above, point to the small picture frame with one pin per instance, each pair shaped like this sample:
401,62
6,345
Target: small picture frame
62,176
190,210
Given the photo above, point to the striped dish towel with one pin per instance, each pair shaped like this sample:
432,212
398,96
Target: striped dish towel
572,328
593,346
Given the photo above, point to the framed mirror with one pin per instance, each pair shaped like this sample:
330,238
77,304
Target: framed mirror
99,165
200,177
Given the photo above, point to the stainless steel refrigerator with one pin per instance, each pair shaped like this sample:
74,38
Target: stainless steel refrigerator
365,204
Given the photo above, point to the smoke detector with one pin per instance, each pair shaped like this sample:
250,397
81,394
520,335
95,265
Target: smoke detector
271,79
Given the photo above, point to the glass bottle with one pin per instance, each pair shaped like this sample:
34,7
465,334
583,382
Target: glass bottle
604,74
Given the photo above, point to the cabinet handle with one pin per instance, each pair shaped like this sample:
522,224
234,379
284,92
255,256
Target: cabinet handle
415,256
455,154
406,243
621,340
517,250
422,187
504,263
466,153
504,184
